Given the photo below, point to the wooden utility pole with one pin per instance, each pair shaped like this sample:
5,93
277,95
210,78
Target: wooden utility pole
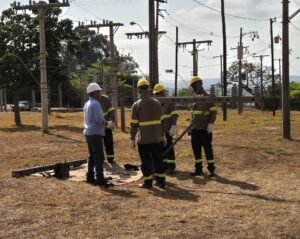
225,59
194,52
272,65
113,27
41,6
176,61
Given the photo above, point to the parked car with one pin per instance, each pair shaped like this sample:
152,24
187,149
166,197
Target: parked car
23,105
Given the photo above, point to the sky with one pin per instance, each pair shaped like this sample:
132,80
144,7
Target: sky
196,19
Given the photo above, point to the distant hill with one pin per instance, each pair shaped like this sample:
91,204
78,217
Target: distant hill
170,85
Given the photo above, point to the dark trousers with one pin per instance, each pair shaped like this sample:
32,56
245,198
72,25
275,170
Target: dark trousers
96,156
108,141
200,138
169,158
152,162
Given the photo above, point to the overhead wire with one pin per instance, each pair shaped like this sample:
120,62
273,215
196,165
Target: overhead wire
231,15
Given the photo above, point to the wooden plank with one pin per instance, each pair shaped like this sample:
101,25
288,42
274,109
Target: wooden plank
27,171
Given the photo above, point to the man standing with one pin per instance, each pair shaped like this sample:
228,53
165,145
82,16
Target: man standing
203,119
146,122
94,126
169,119
109,116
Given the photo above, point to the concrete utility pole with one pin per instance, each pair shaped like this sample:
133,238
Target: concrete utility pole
113,27
194,52
221,73
240,48
153,41
41,6
176,61
285,69
272,65
261,57
225,58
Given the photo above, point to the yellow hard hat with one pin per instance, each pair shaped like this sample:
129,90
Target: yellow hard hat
158,88
142,82
194,79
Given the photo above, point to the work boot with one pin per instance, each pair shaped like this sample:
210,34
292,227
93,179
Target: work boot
160,184
211,168
90,178
111,161
197,173
146,184
104,183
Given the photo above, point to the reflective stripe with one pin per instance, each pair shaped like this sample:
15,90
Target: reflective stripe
134,121
199,112
213,109
160,175
198,160
171,161
165,117
111,109
174,112
108,111
165,160
110,155
147,123
148,177
210,161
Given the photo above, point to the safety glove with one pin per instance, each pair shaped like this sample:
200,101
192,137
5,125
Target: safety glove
172,131
210,128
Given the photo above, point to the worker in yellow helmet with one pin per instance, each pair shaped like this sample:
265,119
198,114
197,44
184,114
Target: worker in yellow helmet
203,119
146,123
169,119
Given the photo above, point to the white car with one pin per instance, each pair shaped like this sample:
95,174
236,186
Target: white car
23,105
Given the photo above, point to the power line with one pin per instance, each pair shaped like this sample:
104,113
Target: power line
297,28
231,15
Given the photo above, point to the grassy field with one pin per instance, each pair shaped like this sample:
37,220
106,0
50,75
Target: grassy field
256,193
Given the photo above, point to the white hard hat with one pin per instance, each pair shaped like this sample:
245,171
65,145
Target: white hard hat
93,87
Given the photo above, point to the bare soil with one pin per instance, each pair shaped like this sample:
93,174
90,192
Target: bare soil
256,193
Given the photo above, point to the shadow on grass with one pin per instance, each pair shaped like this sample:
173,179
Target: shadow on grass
173,192
28,128
240,184
66,138
120,192
257,196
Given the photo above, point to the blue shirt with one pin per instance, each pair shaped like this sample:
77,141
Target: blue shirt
94,122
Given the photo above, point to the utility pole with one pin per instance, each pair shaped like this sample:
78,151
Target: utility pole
261,57
279,81
176,61
225,58
272,65
194,52
285,68
153,41
113,27
240,49
221,74
41,6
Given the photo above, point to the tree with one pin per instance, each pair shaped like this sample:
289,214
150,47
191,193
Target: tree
250,74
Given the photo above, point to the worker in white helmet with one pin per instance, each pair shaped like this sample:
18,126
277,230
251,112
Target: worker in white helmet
146,123
169,119
94,130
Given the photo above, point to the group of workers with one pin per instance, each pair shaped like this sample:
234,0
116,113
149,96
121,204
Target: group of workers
152,127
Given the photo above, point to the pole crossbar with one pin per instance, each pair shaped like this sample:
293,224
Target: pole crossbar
210,99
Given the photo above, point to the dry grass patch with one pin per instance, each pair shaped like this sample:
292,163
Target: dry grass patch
255,194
